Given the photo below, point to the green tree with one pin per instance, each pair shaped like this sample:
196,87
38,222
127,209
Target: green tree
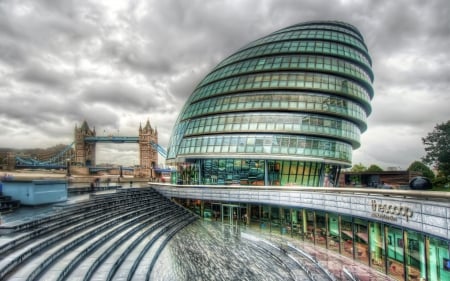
437,148
418,166
374,168
358,168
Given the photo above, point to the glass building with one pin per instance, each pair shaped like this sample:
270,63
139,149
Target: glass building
286,109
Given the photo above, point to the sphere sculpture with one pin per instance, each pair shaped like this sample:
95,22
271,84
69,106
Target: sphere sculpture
420,183
286,109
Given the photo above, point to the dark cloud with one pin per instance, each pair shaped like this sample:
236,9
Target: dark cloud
116,64
121,96
45,77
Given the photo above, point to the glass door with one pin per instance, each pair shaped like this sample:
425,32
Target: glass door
230,214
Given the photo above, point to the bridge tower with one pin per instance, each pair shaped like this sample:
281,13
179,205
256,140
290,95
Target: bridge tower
148,155
84,152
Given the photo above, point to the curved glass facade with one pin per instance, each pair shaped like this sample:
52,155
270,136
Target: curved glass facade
402,254
285,109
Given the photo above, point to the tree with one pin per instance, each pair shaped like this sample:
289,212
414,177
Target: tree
418,166
358,168
437,148
374,168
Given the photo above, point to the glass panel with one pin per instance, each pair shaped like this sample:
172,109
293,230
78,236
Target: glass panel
265,226
395,253
297,223
273,172
216,211
242,212
346,236
310,226
293,173
321,229
275,219
439,263
207,210
230,214
285,172
333,232
285,220
415,256
377,250
361,241
255,215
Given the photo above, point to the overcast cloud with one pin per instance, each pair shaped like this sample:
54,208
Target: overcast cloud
118,63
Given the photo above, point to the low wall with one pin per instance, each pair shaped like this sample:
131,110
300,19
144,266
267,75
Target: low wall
36,192
424,211
79,170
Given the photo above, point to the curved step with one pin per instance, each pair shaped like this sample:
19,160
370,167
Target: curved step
66,264
38,246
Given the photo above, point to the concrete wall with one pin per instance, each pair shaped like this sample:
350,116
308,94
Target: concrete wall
416,211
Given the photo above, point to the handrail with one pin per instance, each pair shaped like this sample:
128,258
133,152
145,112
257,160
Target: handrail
403,193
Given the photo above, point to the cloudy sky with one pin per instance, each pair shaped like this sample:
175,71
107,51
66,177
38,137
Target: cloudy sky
118,63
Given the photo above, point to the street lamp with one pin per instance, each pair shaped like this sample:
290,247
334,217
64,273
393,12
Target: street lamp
68,167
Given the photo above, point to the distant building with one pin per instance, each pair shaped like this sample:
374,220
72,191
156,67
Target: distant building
394,179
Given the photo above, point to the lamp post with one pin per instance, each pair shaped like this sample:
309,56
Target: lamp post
68,167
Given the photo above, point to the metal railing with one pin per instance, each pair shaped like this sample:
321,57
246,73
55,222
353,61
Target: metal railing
418,194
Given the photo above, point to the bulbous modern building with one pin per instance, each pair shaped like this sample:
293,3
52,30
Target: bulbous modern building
286,109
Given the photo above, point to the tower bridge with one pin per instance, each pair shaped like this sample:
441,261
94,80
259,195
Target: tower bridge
80,155
86,140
